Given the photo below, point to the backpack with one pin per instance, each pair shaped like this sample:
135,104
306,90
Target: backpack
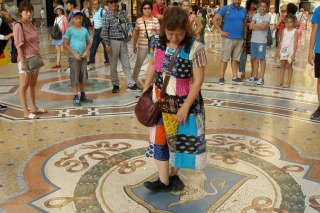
86,22
55,31
227,13
5,30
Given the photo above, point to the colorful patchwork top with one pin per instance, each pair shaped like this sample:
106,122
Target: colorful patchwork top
186,142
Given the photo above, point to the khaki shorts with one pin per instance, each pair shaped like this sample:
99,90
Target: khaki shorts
78,71
231,48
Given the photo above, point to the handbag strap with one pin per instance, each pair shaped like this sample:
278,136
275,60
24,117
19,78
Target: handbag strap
168,73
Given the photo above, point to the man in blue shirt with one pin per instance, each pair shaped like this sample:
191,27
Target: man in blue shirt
233,33
314,55
97,20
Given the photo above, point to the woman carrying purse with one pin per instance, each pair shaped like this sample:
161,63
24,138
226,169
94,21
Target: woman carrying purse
26,41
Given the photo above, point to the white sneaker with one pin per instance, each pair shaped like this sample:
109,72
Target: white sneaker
260,81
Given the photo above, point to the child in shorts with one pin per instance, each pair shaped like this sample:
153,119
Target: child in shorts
259,26
77,43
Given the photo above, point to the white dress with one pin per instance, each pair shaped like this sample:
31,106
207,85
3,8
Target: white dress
287,41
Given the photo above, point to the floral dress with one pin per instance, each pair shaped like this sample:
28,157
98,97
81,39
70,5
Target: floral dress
184,145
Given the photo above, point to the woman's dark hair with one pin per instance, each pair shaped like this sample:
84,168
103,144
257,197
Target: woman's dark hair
25,6
249,2
176,18
144,4
292,8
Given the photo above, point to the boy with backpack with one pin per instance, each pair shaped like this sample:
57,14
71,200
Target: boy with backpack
77,43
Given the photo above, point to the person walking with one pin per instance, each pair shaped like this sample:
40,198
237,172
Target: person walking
146,27
42,17
26,40
62,21
233,33
116,30
179,135
273,22
97,24
314,56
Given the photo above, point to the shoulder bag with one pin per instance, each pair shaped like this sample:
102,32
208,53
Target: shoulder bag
148,112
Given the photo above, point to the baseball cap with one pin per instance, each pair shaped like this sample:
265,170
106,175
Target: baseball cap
76,12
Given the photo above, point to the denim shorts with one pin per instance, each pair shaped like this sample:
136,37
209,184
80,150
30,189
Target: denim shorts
258,50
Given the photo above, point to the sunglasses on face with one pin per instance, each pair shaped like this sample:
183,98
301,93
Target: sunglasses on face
111,2
147,8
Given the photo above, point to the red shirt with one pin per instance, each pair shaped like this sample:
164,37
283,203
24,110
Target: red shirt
156,10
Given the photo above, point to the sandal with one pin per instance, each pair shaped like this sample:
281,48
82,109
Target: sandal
40,110
32,116
279,84
286,86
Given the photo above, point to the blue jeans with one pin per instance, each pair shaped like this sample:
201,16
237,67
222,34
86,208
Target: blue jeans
95,44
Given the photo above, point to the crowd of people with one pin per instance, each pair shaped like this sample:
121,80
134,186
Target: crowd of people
177,140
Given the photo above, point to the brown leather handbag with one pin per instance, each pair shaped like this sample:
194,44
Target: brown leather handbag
148,112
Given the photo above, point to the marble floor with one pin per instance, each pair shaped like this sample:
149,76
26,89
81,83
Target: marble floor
263,149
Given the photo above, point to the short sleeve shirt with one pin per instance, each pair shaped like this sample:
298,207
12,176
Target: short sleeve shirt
78,39
260,36
152,25
234,22
316,20
27,38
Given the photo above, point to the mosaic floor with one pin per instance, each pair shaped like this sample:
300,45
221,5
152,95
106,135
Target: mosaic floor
263,150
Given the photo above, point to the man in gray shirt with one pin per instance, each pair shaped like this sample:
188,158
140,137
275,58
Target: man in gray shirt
259,26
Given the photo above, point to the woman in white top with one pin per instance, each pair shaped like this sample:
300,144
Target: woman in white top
146,27
62,22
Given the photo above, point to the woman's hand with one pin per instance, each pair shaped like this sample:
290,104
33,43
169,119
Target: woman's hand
24,66
182,114
135,49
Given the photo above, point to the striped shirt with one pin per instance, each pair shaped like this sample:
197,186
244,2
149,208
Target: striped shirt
97,18
26,38
111,28
152,25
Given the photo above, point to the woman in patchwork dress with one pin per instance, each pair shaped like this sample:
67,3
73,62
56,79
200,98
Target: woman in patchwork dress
179,135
